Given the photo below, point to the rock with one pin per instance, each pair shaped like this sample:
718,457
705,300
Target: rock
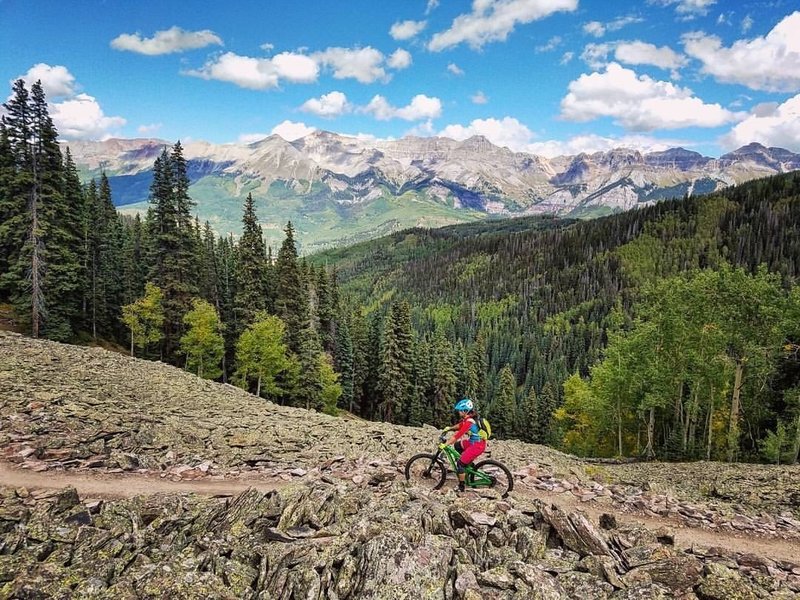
584,586
721,583
298,472
498,577
677,573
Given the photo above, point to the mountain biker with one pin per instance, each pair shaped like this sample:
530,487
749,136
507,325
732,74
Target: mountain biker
471,447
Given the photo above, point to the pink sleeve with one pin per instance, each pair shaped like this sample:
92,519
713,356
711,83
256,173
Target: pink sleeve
464,428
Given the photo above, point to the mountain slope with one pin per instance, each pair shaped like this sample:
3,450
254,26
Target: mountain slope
337,188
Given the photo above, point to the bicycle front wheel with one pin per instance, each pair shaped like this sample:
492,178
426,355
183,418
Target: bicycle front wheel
426,470
502,480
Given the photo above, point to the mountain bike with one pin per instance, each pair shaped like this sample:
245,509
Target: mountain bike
430,470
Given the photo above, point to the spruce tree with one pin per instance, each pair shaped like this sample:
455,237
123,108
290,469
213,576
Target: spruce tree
504,407
344,362
529,422
443,378
250,268
291,301
394,378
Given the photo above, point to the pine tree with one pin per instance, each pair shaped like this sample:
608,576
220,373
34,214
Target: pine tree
325,310
291,301
477,368
394,378
251,264
504,407
12,212
331,389
344,362
548,403
443,379
529,422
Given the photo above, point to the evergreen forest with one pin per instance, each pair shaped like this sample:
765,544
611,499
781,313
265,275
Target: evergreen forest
670,332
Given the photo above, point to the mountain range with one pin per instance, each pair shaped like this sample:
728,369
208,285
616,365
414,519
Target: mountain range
340,189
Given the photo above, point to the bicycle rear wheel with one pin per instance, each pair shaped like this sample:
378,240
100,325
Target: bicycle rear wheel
426,470
502,480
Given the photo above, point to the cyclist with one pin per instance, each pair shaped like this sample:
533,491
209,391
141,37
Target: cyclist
471,447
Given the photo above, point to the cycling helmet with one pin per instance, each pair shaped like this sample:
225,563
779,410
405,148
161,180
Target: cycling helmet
465,405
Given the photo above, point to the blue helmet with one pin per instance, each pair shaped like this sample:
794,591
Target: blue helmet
465,405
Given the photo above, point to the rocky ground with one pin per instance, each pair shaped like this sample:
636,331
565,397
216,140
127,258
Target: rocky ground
65,410
337,541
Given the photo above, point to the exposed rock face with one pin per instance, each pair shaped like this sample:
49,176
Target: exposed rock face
473,173
336,541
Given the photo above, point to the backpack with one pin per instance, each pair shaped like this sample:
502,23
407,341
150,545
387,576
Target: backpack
484,426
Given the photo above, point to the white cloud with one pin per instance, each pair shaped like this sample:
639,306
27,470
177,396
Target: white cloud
598,29
431,5
57,81
595,28
479,98
251,138
76,116
747,24
687,9
642,53
328,106
399,59
596,55
290,131
81,117
566,58
591,143
553,43
150,129
770,124
493,20
259,73
420,107
770,63
362,64
633,53
455,69
267,47
405,30
639,103
168,41
508,132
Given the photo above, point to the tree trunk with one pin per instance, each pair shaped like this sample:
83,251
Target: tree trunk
619,427
710,423
131,344
36,259
651,423
733,425
258,387
796,448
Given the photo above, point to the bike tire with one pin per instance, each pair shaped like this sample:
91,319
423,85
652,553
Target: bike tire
426,468
504,480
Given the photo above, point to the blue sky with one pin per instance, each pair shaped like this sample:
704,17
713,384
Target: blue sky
544,76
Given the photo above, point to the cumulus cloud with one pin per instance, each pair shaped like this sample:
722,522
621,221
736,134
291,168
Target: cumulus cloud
405,30
150,129
421,107
57,81
399,59
687,9
598,29
290,130
81,117
770,63
643,53
508,132
639,103
362,64
259,73
454,69
494,20
479,98
328,106
75,115
168,41
770,124
633,53
590,143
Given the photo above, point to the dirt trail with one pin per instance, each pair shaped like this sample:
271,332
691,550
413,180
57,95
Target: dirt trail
124,486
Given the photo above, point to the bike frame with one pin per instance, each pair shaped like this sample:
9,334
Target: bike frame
478,479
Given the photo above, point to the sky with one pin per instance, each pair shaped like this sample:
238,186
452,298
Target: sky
548,77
